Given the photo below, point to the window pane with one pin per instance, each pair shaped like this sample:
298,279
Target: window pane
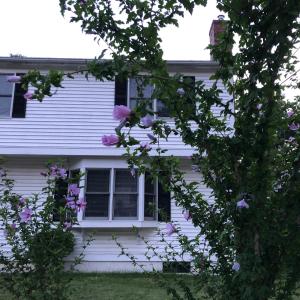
125,205
162,110
6,87
125,182
98,181
137,90
150,206
97,205
149,184
60,193
5,106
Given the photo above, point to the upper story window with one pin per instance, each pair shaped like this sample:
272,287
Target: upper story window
130,92
12,101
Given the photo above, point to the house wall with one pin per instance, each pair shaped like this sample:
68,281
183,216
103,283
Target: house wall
73,121
103,253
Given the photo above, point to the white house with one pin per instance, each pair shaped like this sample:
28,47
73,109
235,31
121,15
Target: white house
70,125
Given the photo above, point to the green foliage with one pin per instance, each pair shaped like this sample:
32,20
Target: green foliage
255,160
35,245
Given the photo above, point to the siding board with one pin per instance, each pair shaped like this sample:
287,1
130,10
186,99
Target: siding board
76,117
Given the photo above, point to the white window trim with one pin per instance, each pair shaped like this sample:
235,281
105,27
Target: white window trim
112,164
154,100
12,96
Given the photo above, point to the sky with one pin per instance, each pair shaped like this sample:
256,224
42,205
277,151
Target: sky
35,28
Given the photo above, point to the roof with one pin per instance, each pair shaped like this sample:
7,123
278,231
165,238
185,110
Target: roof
75,64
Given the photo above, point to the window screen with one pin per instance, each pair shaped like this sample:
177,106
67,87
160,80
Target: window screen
150,197
138,91
6,91
125,195
97,193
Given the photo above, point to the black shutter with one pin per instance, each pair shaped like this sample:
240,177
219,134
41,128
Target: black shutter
19,104
120,91
191,81
164,204
61,190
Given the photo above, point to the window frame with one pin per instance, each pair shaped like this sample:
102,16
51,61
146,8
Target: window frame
140,197
12,96
154,100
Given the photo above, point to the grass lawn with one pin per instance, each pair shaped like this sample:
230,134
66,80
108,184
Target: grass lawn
112,286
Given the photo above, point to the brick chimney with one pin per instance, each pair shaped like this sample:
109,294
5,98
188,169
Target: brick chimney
217,26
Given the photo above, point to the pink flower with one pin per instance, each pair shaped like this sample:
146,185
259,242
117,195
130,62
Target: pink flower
294,127
121,112
81,204
187,215
110,140
67,225
145,146
71,204
73,189
147,121
290,113
22,200
62,172
28,95
180,91
14,79
25,215
242,204
53,170
170,229
151,137
236,267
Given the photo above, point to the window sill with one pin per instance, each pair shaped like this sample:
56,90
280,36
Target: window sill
116,224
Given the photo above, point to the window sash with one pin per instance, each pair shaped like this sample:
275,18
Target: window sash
153,104
89,193
10,96
132,197
136,202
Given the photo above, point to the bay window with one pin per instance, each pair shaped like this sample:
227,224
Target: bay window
130,92
114,194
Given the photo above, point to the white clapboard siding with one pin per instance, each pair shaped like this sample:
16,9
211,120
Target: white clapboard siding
73,121
26,173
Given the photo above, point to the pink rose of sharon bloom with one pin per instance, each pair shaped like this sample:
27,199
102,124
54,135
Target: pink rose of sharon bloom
294,127
110,140
121,112
81,204
74,190
290,113
147,121
67,225
28,95
25,215
236,267
242,204
187,215
170,229
14,79
145,146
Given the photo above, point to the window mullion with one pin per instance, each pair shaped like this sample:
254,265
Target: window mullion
111,194
12,99
82,183
141,197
